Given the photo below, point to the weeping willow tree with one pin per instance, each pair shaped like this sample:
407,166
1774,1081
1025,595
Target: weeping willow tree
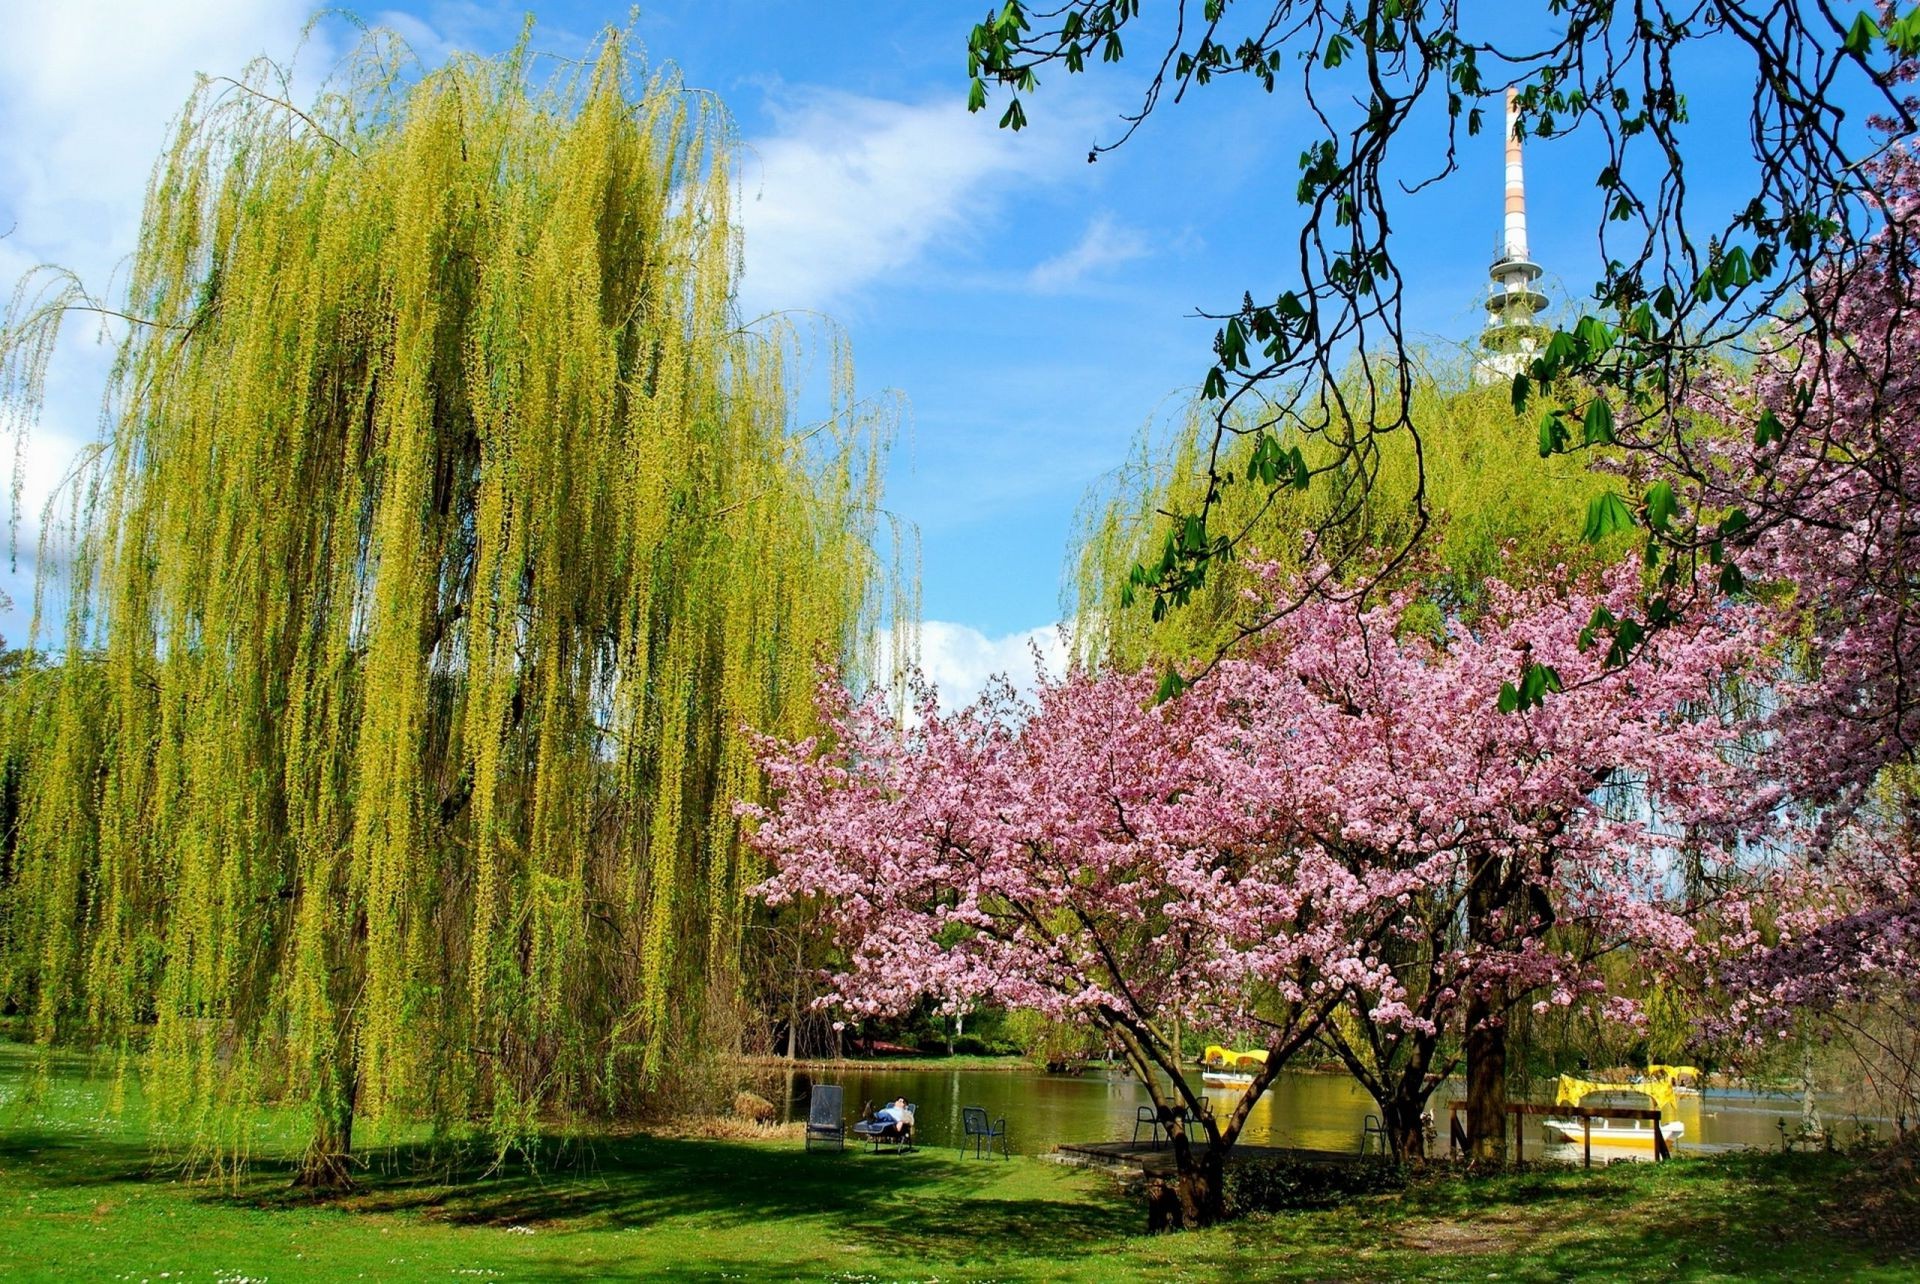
1491,505
448,530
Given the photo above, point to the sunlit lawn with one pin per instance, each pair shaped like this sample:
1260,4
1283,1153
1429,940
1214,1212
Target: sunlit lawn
81,1199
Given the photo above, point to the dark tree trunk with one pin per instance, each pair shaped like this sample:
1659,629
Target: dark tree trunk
327,1163
1486,1044
1194,1196
1406,1125
1486,1081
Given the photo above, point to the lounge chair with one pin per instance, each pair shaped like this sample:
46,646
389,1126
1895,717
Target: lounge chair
882,1134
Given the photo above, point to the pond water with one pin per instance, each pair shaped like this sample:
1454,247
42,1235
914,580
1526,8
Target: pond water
1314,1111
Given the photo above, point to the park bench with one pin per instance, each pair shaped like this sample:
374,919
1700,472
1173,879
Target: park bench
975,1125
826,1121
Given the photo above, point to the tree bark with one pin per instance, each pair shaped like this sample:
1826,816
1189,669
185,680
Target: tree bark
1486,1042
1405,1121
1486,1081
1196,1195
327,1162
793,1001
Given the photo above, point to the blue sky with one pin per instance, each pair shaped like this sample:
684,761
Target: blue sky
1034,310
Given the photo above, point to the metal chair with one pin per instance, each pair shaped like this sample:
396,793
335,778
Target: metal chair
1373,1133
826,1121
1160,1121
974,1123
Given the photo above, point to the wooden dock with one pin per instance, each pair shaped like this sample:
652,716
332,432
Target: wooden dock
1143,1159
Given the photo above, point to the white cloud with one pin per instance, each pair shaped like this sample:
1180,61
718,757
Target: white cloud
848,189
87,91
959,659
1104,244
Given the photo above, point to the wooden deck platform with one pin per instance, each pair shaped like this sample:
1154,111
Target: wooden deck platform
1127,1156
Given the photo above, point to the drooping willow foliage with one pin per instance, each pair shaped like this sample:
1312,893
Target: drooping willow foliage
1495,506
449,530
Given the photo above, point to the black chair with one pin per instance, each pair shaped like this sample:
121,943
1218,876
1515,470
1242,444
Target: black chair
826,1120
1373,1135
974,1123
1160,1121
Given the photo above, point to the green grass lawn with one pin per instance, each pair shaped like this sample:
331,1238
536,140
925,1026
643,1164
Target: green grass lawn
80,1199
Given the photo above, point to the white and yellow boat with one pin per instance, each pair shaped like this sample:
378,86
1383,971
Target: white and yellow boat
1615,1134
1226,1068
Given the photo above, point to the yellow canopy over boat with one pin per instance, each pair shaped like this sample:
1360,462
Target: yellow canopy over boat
1219,1056
1658,1091
1670,1073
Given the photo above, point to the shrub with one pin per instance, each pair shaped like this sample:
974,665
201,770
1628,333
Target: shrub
1270,1185
753,1107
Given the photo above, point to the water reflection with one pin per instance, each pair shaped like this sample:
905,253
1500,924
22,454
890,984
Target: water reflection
1316,1111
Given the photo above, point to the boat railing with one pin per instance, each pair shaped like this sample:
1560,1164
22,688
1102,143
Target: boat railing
1457,1136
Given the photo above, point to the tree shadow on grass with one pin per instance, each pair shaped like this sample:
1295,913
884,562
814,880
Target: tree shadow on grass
71,1159
923,1205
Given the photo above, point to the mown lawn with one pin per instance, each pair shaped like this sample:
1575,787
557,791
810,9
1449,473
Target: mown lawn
81,1199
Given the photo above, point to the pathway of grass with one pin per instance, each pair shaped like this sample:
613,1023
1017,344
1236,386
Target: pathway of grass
78,1200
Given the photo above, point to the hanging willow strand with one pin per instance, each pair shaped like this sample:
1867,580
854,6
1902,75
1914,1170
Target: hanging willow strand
450,530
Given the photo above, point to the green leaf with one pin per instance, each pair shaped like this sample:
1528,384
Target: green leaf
1594,334
1661,506
1861,35
1521,387
977,94
1536,680
1731,579
1597,425
1553,434
1264,465
1014,117
1216,385
1338,47
1903,37
1768,430
1193,532
1232,344
1626,636
1607,514
1171,685
1600,622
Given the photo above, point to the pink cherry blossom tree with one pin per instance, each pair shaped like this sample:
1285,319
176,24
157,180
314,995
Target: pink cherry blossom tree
1813,457
1538,841
1300,831
1095,858
1827,948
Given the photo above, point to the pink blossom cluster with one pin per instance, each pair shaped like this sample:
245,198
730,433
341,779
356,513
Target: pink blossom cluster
1838,930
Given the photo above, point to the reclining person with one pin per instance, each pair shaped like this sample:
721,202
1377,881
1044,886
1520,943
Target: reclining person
897,1121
